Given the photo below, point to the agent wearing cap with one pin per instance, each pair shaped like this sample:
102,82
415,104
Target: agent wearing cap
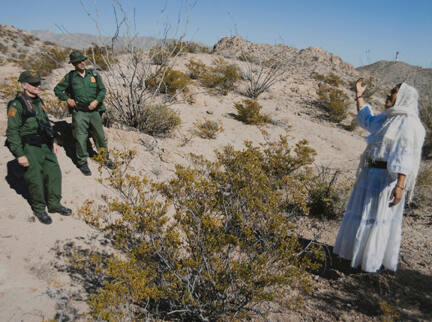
84,92
30,139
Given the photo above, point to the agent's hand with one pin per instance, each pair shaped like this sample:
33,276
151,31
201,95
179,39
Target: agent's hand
360,88
93,105
23,161
395,196
71,102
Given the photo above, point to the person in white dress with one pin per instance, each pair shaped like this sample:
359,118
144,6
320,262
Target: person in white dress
371,230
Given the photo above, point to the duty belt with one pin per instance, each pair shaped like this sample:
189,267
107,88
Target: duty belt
34,139
377,164
82,107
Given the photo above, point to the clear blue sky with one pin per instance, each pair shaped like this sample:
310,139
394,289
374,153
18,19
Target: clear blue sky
360,32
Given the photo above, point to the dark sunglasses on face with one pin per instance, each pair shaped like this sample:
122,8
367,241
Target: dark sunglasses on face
35,84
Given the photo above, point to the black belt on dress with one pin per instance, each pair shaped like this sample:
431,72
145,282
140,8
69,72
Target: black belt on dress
377,164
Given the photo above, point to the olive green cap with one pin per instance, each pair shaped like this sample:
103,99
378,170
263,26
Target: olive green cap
76,57
29,76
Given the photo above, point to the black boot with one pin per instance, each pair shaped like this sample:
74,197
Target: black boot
43,217
85,169
62,210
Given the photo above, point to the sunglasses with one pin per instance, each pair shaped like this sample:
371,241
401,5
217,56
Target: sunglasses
35,84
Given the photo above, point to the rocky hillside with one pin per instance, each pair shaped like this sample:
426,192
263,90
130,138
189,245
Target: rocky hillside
311,59
397,72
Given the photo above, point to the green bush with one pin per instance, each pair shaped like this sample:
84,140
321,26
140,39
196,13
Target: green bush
196,69
222,76
334,101
10,88
207,129
169,81
249,112
225,254
159,55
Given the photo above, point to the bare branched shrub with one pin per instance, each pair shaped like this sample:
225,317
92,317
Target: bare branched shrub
196,69
331,79
249,112
226,253
207,129
327,194
425,109
101,57
423,189
334,101
222,76
261,74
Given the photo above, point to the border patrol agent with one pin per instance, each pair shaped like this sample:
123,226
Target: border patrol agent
30,138
84,92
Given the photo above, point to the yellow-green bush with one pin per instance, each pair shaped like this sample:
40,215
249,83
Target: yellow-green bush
334,101
169,81
207,129
227,248
222,76
331,79
196,68
249,112
159,55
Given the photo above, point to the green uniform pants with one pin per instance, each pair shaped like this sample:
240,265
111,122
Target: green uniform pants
84,123
42,177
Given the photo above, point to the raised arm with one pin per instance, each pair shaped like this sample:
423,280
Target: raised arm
360,89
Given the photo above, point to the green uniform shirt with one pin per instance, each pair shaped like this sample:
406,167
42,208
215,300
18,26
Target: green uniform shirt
19,126
85,89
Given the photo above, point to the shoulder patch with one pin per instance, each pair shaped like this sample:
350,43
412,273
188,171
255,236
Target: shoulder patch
62,80
12,112
92,79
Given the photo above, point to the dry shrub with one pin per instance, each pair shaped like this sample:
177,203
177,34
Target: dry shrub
425,109
249,112
334,101
226,253
50,58
222,76
54,106
423,189
101,56
207,129
196,68
327,194
159,55
10,88
158,120
169,81
332,79
389,313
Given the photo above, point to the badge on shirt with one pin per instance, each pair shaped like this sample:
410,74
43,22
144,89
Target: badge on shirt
12,111
93,80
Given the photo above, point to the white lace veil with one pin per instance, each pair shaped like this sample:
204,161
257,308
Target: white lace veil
401,126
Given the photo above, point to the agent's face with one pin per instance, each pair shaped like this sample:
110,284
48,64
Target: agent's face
391,97
80,66
32,89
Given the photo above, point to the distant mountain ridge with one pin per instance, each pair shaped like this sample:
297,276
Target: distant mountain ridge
81,40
